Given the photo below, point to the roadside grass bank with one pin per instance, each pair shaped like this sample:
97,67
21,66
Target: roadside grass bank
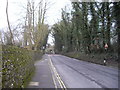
111,58
18,66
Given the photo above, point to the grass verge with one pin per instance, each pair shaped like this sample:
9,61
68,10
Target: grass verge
111,59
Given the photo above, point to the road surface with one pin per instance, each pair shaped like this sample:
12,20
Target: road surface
80,74
72,73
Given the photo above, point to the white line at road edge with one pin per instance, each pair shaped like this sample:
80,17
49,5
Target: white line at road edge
52,76
61,83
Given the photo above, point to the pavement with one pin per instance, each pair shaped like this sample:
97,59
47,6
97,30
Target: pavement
58,71
43,75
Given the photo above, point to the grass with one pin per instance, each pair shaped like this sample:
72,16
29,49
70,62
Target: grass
95,58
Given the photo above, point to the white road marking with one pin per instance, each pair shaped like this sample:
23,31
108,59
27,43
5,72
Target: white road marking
44,75
52,76
34,83
62,85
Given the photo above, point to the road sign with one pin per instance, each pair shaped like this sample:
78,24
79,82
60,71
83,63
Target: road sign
106,46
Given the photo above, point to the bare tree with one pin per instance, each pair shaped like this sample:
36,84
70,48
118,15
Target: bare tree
35,31
11,35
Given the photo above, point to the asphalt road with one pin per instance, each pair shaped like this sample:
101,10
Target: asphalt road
79,74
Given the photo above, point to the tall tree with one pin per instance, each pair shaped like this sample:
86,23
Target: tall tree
108,24
117,17
11,42
88,28
35,31
103,23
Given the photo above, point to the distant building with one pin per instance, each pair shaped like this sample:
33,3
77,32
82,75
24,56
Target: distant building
50,49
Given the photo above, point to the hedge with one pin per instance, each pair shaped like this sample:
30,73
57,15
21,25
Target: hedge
17,66
0,67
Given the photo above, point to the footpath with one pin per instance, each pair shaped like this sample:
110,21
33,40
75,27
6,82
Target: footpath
43,75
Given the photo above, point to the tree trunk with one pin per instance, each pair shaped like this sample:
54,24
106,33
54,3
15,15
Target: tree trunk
103,25
108,26
117,17
11,35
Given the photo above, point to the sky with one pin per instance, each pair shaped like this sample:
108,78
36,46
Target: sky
16,11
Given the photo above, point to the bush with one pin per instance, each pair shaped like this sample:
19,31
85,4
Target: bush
95,58
17,66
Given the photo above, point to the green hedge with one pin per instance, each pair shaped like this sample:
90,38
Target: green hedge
17,66
0,67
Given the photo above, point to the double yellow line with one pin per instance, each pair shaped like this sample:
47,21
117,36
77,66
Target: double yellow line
57,76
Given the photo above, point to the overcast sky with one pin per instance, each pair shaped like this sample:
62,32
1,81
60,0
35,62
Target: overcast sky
16,11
